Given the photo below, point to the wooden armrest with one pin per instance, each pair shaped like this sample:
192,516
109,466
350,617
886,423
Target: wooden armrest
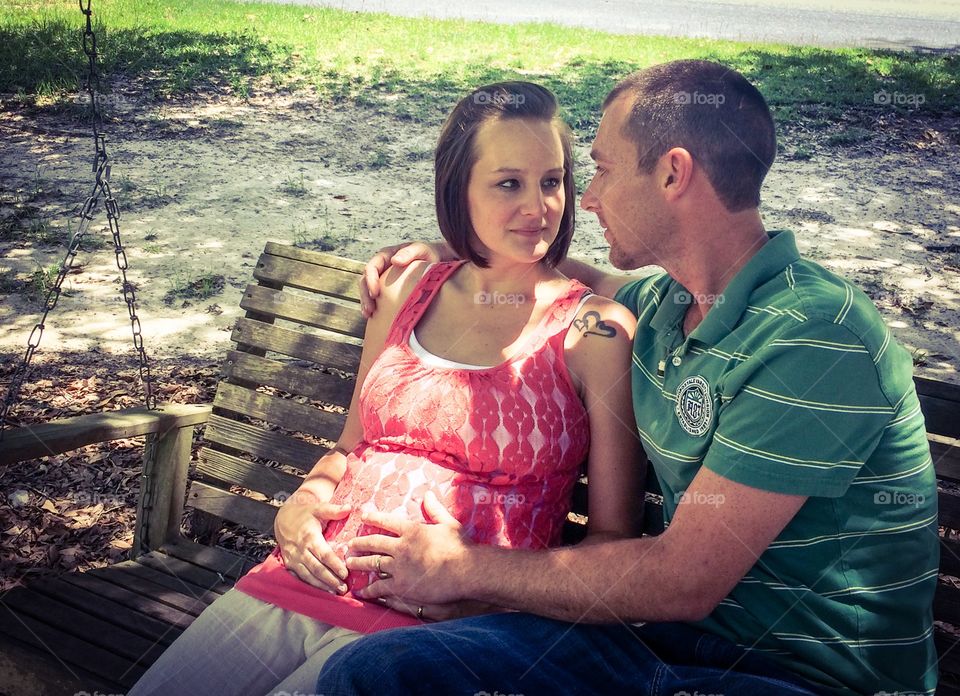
67,434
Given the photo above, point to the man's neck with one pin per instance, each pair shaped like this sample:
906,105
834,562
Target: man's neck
713,257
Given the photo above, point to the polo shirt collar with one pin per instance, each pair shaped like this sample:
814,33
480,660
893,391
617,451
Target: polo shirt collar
772,258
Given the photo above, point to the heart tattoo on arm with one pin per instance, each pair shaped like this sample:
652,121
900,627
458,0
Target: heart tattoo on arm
592,325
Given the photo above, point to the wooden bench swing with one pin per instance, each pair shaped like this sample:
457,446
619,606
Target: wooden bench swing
284,390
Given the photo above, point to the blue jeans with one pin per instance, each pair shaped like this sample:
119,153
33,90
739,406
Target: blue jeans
502,654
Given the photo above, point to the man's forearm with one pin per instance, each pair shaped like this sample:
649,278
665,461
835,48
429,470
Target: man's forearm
625,580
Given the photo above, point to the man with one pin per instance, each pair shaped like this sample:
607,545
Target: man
780,417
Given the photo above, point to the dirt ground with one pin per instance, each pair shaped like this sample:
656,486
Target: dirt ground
203,184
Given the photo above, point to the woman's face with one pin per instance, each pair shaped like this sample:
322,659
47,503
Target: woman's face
515,193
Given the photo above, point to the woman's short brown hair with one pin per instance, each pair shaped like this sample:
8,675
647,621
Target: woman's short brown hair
456,155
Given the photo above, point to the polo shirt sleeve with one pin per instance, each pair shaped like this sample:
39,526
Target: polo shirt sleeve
636,294
801,415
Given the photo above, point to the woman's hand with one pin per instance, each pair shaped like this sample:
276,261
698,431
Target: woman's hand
396,255
299,530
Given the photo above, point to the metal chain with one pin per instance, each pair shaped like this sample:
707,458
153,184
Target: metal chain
101,187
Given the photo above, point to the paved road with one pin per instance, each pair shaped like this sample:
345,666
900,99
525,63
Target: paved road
873,23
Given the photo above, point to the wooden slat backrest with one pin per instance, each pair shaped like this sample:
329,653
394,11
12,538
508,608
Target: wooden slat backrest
286,387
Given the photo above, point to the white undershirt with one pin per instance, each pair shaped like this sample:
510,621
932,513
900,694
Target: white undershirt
432,360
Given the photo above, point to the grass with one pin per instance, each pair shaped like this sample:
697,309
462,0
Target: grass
319,240
416,68
293,186
40,282
200,288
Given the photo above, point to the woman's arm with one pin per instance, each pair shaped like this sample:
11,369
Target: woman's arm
299,524
598,353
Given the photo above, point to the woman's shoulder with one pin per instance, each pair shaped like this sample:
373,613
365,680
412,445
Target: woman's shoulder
601,316
399,281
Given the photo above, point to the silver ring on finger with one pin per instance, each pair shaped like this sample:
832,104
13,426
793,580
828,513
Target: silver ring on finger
381,573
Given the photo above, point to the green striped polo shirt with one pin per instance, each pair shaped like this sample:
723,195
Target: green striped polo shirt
792,383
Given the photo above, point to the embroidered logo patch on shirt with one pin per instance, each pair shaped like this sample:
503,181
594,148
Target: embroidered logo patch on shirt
694,405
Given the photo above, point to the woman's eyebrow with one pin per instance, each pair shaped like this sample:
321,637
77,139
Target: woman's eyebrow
515,170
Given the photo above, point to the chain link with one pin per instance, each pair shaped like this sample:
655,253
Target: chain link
101,188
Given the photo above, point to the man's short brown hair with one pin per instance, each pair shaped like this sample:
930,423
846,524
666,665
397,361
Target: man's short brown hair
456,154
710,110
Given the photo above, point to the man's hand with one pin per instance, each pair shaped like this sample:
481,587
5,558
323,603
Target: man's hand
420,565
396,255
306,553
440,612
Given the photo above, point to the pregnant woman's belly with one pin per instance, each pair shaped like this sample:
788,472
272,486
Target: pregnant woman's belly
392,482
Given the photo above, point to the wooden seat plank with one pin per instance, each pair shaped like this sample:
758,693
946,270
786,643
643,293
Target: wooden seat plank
255,476
950,557
171,582
291,414
97,631
96,605
948,649
946,459
183,571
225,563
303,310
949,505
230,506
307,276
317,258
148,588
129,598
321,349
263,443
295,379
69,650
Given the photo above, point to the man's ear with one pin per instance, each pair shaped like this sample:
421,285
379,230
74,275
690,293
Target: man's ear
676,172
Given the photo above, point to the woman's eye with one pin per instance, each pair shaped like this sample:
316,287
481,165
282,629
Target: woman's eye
552,182
509,184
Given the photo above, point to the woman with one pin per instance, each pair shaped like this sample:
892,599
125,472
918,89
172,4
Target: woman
473,395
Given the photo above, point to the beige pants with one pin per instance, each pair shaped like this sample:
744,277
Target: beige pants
240,645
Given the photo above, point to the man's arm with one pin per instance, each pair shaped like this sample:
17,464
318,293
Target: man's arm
714,539
604,284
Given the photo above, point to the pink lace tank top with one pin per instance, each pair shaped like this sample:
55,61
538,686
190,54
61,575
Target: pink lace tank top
499,446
